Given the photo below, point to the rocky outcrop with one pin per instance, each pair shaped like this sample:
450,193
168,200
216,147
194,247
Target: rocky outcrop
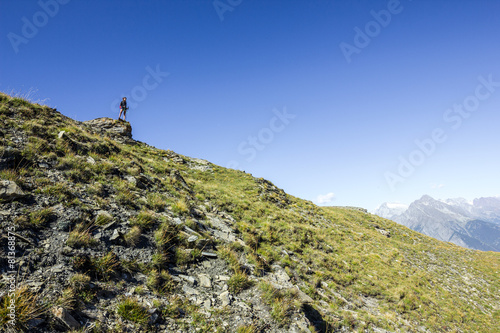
110,127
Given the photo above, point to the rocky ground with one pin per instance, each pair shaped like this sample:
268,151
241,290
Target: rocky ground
46,262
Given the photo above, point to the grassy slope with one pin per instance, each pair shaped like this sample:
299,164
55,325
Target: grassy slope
337,256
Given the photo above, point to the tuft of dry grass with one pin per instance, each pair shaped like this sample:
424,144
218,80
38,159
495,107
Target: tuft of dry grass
133,235
22,305
81,236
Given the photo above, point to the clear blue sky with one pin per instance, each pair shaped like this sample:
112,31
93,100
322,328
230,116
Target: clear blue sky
355,84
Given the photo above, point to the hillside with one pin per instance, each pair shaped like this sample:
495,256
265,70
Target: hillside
113,235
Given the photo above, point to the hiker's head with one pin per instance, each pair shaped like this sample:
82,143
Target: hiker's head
124,98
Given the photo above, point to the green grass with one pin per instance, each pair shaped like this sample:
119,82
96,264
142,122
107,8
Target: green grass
130,309
41,217
145,220
238,282
80,282
27,307
103,218
160,281
248,329
133,235
59,191
181,207
81,236
166,236
231,257
282,302
157,201
107,266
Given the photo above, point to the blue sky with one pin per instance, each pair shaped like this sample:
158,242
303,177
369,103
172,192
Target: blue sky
357,102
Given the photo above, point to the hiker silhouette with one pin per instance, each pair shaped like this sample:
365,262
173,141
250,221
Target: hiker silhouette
123,108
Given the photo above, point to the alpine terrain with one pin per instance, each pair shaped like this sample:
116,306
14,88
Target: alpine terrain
475,225
102,233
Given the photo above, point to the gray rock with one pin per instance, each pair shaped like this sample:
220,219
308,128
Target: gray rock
228,237
9,191
63,224
189,230
384,232
192,239
66,318
303,325
190,291
225,298
67,251
58,269
209,254
177,221
35,322
279,278
280,274
131,179
115,235
177,177
205,280
303,297
90,160
154,316
188,278
111,127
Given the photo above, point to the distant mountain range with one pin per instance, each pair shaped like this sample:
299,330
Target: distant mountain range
475,225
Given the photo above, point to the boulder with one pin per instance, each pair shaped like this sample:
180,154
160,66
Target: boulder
9,191
111,126
66,318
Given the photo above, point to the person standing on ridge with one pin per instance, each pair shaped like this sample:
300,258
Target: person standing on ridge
123,108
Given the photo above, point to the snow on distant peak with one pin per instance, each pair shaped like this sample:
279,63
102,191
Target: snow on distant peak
390,209
396,205
457,201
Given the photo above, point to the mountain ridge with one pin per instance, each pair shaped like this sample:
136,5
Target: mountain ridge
119,236
452,220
